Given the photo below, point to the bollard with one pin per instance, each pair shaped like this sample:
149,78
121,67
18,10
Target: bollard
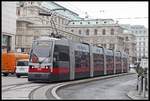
139,85
144,85
145,82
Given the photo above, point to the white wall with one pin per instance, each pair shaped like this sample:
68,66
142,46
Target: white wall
9,21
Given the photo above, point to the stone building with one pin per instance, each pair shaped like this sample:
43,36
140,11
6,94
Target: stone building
141,37
31,25
105,33
130,45
8,25
101,32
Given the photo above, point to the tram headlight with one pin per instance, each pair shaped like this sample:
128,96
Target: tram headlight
46,67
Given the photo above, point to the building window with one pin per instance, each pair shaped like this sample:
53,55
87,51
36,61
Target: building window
47,17
87,32
73,23
112,31
103,31
62,21
105,22
104,45
88,22
79,31
136,32
96,22
95,32
112,46
127,39
55,19
35,37
80,22
18,12
72,30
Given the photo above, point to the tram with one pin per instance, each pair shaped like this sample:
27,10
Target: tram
53,59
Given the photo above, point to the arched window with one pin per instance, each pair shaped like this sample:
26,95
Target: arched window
87,32
79,31
127,38
18,12
95,32
112,31
72,30
103,31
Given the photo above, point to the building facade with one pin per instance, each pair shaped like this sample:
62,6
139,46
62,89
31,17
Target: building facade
141,37
8,25
105,33
130,46
100,32
31,25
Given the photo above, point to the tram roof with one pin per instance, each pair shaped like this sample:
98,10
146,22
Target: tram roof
124,54
108,52
98,50
117,53
47,38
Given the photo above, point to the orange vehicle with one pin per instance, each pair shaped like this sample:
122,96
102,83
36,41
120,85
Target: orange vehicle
9,61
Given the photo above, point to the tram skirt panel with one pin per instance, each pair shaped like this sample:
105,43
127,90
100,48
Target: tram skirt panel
82,73
60,74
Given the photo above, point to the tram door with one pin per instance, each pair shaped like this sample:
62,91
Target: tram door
61,63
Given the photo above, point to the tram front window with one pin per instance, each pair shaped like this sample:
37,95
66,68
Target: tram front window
41,52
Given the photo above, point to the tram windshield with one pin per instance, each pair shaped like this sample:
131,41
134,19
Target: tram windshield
41,51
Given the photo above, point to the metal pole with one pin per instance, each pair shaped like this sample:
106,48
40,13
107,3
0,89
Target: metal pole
144,93
139,85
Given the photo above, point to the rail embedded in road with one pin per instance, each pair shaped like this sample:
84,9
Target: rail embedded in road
71,83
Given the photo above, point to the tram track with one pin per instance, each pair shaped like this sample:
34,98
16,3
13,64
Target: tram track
8,87
47,90
50,91
72,83
18,91
30,96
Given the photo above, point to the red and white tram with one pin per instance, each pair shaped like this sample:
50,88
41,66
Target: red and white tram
54,59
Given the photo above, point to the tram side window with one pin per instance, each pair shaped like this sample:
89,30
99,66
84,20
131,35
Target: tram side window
77,59
61,53
102,60
96,59
81,59
112,61
109,60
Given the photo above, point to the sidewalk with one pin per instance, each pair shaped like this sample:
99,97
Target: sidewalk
135,96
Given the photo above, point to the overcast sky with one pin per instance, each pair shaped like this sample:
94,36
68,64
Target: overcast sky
112,10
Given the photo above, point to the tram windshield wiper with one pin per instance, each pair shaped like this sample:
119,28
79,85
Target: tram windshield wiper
40,62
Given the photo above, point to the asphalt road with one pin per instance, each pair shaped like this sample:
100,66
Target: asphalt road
112,88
